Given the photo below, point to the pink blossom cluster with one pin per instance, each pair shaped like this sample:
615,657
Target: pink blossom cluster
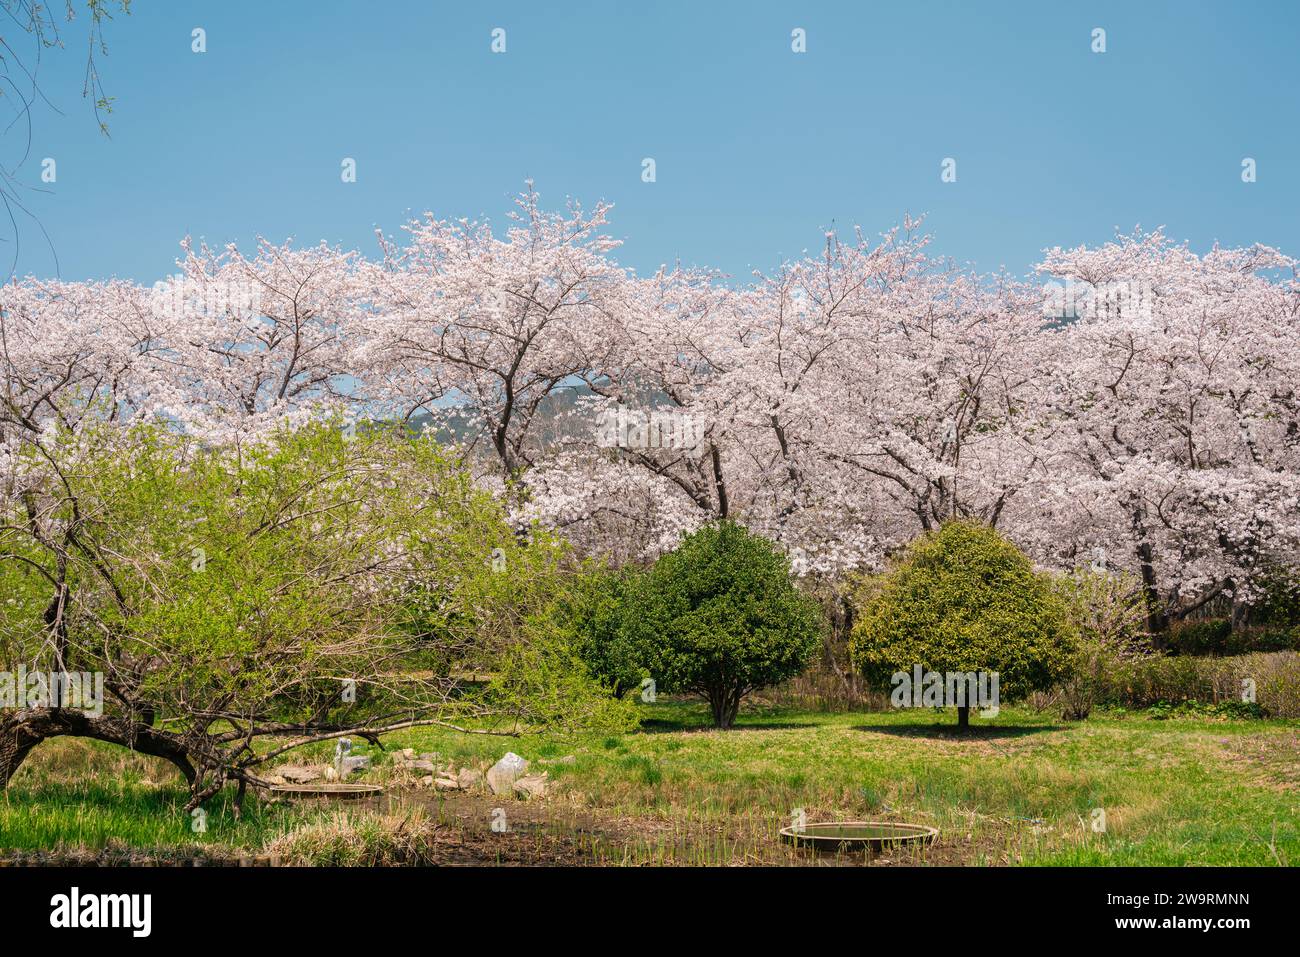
840,404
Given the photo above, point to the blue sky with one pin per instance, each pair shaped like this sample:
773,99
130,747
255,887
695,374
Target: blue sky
757,148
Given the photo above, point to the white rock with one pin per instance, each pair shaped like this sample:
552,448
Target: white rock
502,775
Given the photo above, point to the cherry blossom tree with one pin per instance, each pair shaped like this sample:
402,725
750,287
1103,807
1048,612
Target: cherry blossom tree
481,332
1139,412
252,339
69,351
1175,451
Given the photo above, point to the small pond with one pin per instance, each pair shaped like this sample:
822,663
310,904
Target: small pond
857,835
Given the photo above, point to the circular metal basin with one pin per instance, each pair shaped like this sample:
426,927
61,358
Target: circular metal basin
857,835
327,789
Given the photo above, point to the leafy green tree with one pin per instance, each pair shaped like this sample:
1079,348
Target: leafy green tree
242,602
964,599
720,617
598,613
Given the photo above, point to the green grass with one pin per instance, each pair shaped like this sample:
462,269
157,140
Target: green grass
1193,790
86,795
1174,792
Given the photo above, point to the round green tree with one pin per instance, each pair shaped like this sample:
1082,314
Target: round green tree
596,613
964,600
720,617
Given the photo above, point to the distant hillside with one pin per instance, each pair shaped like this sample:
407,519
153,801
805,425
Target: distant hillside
458,426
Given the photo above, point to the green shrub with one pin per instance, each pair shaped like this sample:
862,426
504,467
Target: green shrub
964,599
1279,604
720,617
1277,681
1164,710
1168,678
1108,611
597,617
1245,641
1216,636
1270,638
1171,680
1208,637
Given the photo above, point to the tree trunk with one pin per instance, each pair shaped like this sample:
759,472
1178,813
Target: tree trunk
16,742
719,483
963,717
718,705
1157,620
1240,613
724,703
20,731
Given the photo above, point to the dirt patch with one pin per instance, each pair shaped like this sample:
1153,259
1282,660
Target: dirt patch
551,833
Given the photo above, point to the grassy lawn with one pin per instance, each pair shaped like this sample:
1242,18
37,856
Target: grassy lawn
1020,790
